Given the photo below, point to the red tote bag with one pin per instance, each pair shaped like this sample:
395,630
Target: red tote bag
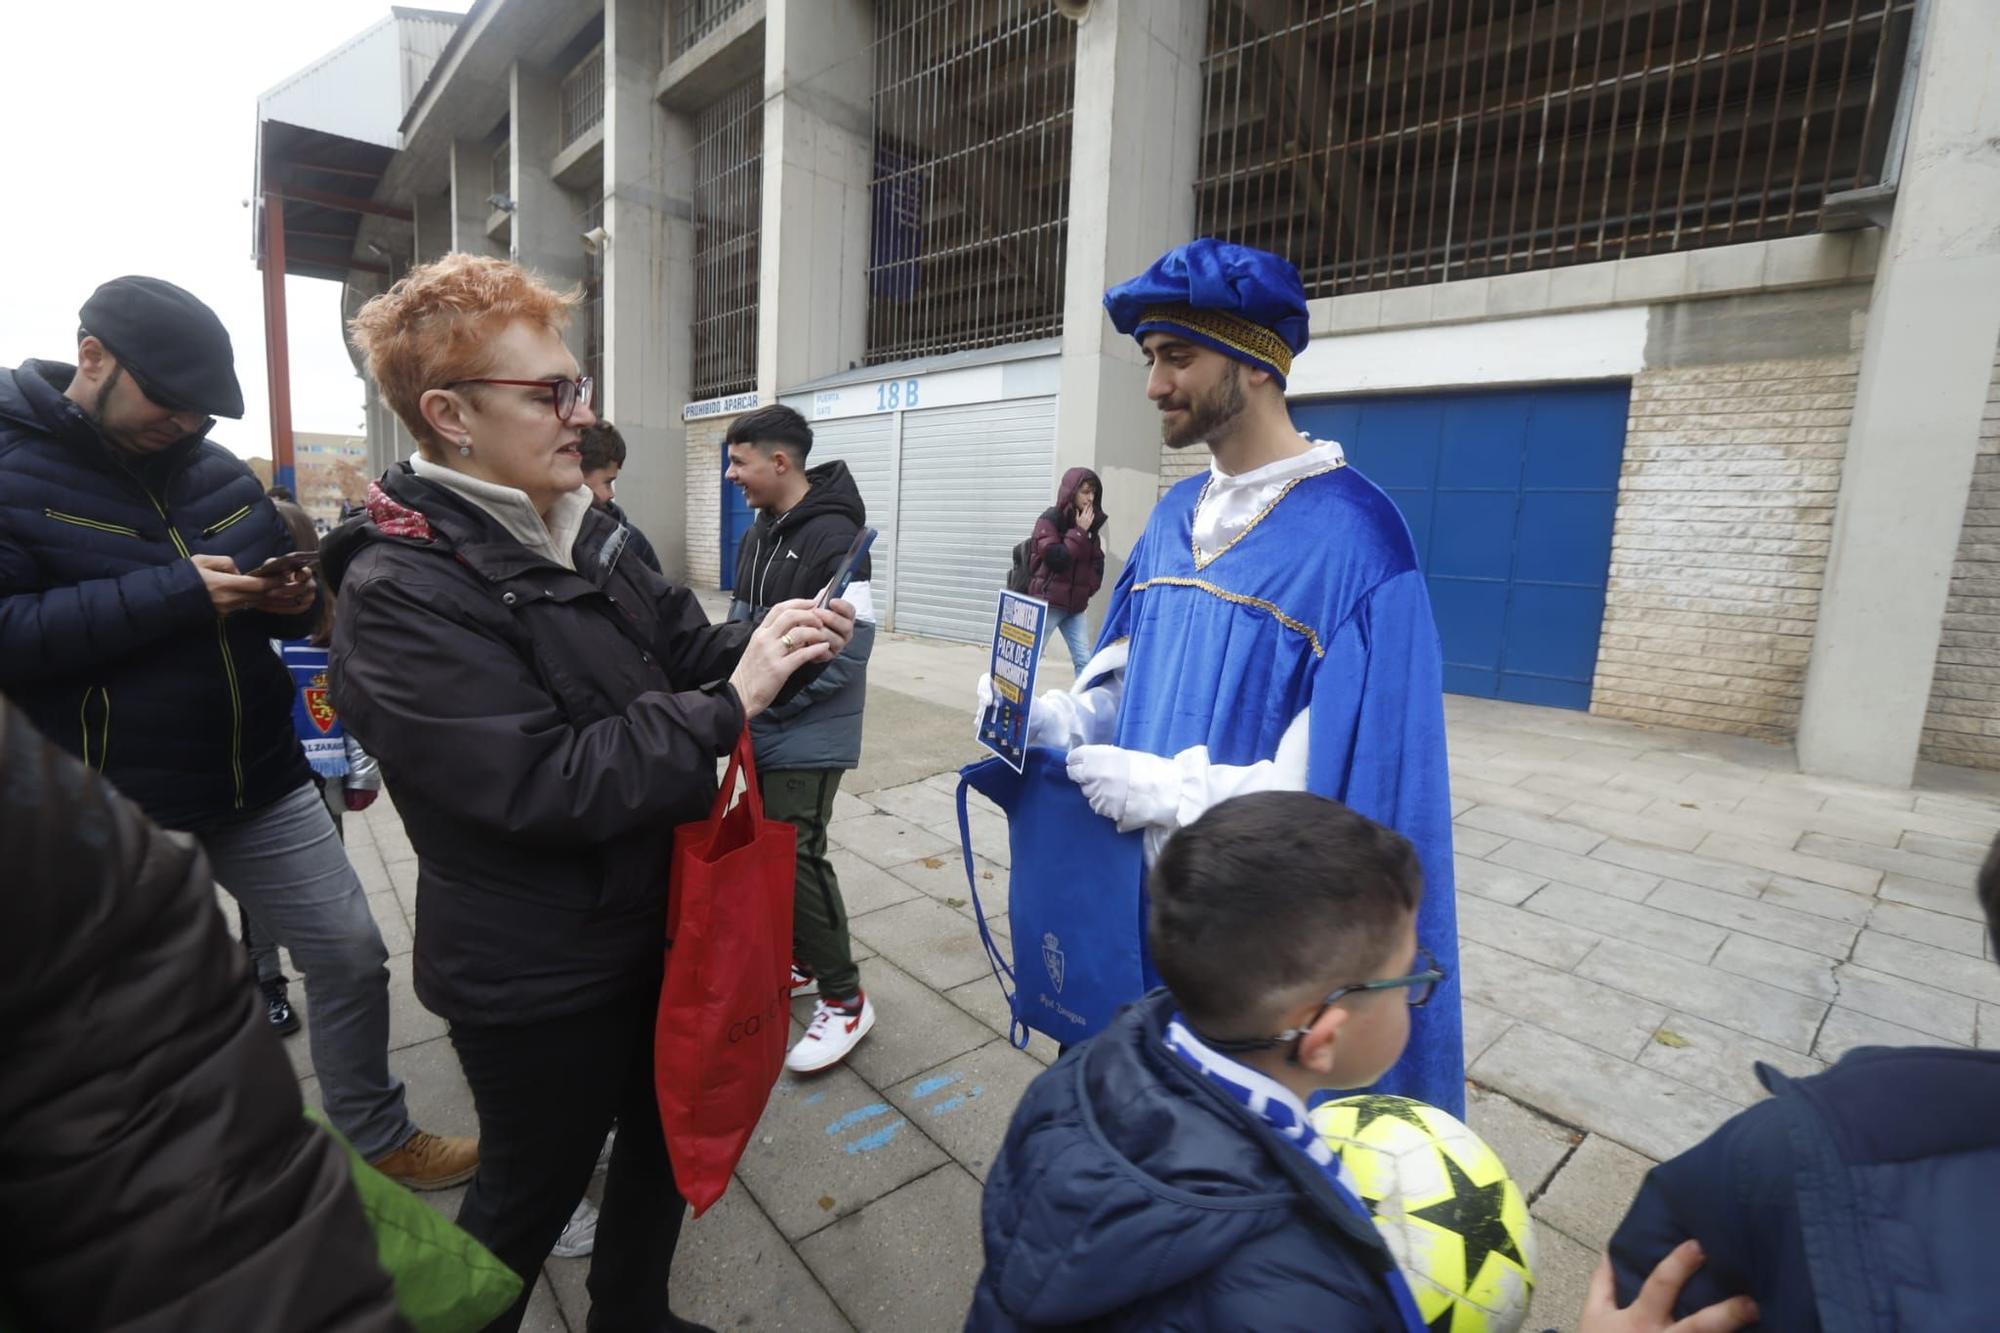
720,1043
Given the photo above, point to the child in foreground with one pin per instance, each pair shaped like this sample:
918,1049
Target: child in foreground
1164,1175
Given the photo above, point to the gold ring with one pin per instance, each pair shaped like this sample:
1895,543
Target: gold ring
788,641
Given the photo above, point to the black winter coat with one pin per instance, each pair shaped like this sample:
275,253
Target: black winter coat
160,1172
541,731
108,640
1864,1199
1131,1193
795,555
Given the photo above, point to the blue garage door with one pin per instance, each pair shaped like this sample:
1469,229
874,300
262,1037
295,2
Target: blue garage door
737,519
1510,498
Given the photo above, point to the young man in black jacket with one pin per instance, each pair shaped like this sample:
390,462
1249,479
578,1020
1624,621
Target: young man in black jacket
805,522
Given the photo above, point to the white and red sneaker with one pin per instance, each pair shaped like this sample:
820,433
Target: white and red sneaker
836,1029
803,980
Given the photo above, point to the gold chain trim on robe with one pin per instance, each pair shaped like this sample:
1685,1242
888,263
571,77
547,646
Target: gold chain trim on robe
1255,603
1201,561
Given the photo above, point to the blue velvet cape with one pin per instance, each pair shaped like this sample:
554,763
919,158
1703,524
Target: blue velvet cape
1319,604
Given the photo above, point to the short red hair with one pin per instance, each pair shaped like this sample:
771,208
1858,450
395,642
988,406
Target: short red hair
432,328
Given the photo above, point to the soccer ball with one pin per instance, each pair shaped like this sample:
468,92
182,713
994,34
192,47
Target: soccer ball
1442,1199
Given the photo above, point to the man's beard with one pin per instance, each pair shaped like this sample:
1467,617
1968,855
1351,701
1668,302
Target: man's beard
1210,417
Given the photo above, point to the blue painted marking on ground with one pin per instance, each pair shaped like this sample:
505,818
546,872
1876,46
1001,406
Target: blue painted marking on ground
879,1139
853,1118
931,1085
949,1104
815,1099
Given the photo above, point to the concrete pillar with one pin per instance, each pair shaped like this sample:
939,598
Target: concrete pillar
433,229
548,228
1925,364
471,182
1135,146
819,82
648,278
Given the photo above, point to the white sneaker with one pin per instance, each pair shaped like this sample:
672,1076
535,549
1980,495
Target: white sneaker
803,981
579,1237
835,1031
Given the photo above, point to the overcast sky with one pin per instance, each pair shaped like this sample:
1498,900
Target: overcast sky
133,124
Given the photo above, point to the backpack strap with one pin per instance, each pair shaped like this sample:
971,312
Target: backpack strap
1017,1031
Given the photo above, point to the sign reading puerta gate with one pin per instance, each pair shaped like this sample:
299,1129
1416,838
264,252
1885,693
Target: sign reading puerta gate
1018,625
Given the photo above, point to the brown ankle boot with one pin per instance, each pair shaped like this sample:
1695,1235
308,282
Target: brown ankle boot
431,1162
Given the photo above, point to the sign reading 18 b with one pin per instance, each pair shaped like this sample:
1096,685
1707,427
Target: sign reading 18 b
893,394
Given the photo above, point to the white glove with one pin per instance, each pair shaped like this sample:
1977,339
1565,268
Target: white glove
1131,788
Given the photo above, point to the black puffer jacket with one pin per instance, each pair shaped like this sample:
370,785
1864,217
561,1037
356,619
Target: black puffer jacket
159,1171
541,731
795,555
108,640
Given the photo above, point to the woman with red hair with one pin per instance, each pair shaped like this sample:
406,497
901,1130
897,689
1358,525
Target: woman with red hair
545,709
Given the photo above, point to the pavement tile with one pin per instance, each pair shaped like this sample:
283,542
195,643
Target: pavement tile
1644,1110
1590,1195
846,805
1989,1027
1583,872
1753,1007
1468,841
885,840
1820,870
990,838
1602,795
369,869
1715,1059
392,840
865,887
1554,943
1577,1008
1945,849
1907,1003
403,879
1483,1027
1952,900
983,1000
917,803
965,1103
1502,796
1952,872
1490,881
1937,968
434,1090
1799,970
1532,1146
389,918
937,945
827,1147
1846,1030
733,1270
1681,832
1753,916
1562,1280
915,1027
943,878
1626,921
1818,900
909,1263
544,1313
1956,933
1459,805
1967,827
1525,827
409,1021
1724,875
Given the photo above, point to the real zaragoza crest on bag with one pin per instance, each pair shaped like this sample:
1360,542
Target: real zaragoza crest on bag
1052,959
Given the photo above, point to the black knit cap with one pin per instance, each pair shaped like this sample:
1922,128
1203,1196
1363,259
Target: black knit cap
168,341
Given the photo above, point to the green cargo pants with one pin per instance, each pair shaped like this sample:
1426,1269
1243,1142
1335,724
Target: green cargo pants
803,798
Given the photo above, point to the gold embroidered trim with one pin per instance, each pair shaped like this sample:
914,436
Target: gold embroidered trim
1201,561
1251,339
1256,603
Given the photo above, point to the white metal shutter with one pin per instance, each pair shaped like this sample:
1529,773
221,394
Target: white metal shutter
974,480
867,446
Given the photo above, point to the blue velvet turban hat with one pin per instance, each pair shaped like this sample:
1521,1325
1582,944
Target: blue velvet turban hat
1242,302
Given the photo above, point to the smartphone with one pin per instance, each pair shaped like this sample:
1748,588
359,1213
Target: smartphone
844,573
280,566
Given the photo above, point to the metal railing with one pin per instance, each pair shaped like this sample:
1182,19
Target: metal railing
728,221
973,106
691,20
582,98
1387,143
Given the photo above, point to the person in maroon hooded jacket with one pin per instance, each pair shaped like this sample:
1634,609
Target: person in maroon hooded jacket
1068,563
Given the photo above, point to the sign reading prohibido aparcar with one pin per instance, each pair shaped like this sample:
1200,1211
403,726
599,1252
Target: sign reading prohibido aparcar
1018,626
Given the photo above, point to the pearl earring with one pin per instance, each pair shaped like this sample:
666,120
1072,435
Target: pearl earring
465,445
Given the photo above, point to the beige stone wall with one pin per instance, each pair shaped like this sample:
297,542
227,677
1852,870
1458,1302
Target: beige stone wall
1176,464
1963,725
1725,508
704,501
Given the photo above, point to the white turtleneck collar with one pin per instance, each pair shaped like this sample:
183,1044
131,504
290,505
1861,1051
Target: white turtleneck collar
512,510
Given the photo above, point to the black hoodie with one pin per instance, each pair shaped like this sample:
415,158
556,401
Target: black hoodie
794,554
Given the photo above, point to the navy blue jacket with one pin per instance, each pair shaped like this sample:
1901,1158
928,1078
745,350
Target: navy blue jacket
1860,1200
1133,1194
108,640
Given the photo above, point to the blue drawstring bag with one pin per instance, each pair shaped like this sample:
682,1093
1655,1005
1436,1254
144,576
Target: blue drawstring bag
1076,904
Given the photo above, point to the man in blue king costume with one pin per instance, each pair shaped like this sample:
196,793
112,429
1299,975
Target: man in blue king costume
1271,630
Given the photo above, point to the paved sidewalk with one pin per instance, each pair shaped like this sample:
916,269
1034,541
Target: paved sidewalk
1645,914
